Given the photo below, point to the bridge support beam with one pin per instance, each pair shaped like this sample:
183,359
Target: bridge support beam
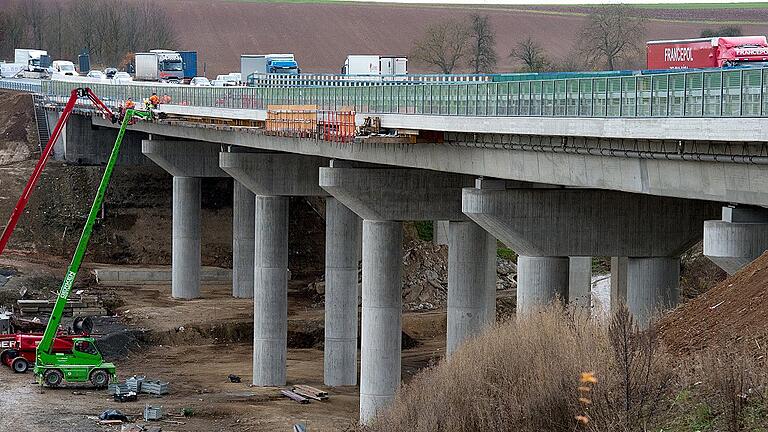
471,282
738,238
558,222
381,337
187,162
342,256
652,286
243,217
580,281
270,291
273,178
384,197
185,248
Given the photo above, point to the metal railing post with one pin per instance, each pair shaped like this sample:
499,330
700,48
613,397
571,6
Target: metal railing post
722,85
741,92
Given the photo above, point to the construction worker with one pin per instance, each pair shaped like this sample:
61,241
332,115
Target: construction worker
154,100
130,104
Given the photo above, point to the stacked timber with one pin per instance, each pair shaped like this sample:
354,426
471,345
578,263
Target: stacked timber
86,305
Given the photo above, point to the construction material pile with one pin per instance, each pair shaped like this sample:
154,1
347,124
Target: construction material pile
730,315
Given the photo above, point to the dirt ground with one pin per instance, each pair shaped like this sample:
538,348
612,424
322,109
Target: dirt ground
195,345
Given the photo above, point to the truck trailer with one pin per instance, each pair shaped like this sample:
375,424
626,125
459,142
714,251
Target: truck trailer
34,62
159,65
707,52
374,65
268,64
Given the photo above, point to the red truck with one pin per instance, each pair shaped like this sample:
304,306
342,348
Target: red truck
706,52
21,351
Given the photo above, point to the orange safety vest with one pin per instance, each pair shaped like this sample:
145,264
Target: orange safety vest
154,100
129,104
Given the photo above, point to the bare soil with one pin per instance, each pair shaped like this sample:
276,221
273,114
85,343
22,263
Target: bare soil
732,314
195,345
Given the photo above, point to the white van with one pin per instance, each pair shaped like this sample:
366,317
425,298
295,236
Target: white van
63,67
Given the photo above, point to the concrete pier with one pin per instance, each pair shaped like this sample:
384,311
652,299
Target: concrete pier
738,238
270,291
381,318
185,258
471,282
653,285
342,247
540,280
618,282
243,223
580,281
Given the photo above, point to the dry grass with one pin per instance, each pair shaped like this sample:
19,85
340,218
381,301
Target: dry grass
524,376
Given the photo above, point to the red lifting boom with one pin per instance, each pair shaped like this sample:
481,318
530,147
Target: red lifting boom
19,209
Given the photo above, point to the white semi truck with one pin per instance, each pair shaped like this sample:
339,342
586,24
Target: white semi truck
159,65
34,62
374,65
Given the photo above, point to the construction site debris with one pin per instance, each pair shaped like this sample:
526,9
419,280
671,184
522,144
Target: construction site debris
154,387
130,396
296,397
113,414
310,392
234,378
86,306
134,383
153,412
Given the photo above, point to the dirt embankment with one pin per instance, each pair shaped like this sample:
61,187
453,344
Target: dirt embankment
730,315
18,134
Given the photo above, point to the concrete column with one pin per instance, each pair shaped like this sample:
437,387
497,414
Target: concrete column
270,291
540,280
652,286
618,282
471,282
580,281
243,202
342,248
381,326
440,232
185,258
738,238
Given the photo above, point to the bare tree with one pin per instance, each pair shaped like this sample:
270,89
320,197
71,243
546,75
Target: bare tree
443,46
531,54
483,54
724,31
613,33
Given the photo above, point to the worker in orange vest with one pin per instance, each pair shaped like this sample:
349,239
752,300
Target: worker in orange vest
130,104
154,100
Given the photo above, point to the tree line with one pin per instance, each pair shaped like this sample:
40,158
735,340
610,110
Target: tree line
613,37
108,30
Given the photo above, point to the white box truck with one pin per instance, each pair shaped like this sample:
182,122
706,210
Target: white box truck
159,65
35,62
375,65
268,64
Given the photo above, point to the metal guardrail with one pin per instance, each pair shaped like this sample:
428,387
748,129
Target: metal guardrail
18,85
337,80
710,93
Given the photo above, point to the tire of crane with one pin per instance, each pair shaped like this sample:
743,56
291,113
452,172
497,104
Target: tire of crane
20,365
7,355
99,378
53,377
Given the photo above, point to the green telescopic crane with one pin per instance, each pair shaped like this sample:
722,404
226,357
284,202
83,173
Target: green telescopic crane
85,362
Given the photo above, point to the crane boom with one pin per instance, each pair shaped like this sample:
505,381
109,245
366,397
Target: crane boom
46,153
44,348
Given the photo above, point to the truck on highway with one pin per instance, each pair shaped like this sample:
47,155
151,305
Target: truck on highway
374,65
63,67
159,65
268,64
189,59
35,62
707,52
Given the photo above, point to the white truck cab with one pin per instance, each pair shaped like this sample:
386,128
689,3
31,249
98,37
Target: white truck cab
63,67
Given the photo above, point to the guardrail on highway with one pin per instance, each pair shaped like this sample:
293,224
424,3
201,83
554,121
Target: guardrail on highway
21,85
710,93
336,80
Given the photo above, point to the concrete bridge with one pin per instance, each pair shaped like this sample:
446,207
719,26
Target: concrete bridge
638,168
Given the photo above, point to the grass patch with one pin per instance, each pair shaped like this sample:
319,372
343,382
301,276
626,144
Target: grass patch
506,253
